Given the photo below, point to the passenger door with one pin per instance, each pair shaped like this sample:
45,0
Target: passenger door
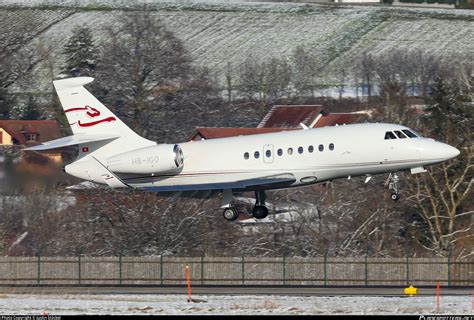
268,154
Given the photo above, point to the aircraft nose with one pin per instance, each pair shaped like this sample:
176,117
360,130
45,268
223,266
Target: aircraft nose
450,152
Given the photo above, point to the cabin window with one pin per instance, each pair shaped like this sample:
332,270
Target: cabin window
246,156
321,148
409,133
290,151
300,150
400,134
280,152
310,149
256,154
389,135
331,146
268,153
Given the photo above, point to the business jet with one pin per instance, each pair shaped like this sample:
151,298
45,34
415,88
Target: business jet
110,153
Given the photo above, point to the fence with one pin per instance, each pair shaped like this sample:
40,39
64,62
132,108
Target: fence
324,271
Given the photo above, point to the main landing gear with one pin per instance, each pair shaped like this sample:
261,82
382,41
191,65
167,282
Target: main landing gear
260,211
392,182
230,213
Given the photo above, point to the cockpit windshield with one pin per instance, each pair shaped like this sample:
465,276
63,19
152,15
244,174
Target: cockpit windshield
400,134
409,133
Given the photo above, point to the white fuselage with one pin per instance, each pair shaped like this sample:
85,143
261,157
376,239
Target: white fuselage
358,149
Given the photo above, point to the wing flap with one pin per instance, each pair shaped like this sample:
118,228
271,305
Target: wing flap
71,141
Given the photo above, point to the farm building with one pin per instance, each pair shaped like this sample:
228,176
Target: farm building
25,133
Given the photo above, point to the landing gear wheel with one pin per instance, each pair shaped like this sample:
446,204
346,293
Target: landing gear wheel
230,214
259,212
395,196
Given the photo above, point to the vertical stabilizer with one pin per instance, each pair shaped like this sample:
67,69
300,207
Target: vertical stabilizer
88,116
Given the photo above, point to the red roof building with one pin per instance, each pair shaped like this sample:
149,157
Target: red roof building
28,132
333,119
284,117
290,116
203,133
19,133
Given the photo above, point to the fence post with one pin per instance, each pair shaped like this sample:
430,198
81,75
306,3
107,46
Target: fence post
325,269
366,270
202,269
39,268
408,271
449,267
79,268
243,268
161,269
284,269
120,268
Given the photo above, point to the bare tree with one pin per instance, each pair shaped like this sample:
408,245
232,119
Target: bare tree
268,80
144,71
364,68
443,194
307,69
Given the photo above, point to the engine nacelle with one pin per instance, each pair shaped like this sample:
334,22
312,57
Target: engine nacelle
155,159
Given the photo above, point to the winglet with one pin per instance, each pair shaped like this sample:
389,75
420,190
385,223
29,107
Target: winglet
72,82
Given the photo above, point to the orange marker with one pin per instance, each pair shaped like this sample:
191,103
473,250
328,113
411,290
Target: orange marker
188,279
438,292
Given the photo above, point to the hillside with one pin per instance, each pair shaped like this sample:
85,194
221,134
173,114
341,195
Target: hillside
218,34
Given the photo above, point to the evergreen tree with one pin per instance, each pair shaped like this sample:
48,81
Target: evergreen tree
31,111
81,53
6,102
448,116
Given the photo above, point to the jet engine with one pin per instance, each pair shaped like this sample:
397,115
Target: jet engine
162,158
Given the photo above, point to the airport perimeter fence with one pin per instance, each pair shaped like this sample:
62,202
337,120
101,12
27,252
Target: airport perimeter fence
218,271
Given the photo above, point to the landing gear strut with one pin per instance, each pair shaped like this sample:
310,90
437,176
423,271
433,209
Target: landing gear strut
260,211
392,183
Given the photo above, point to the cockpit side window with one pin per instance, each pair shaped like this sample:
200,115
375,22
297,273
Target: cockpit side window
400,134
409,133
389,135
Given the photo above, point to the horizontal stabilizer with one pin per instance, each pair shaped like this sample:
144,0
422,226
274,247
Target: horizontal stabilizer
72,140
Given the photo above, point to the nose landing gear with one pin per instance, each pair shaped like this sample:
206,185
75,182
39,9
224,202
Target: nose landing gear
392,182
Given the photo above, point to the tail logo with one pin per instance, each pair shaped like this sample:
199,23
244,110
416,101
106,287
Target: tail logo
92,113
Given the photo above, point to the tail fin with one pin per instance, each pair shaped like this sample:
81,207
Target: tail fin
84,112
88,116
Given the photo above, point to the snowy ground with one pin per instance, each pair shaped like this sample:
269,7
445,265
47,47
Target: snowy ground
229,305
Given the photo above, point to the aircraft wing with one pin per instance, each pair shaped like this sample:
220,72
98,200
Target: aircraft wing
71,141
261,183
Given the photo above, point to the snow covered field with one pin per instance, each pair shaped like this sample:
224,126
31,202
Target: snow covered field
230,305
218,34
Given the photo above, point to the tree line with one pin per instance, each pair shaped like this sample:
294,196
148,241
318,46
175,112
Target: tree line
146,76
